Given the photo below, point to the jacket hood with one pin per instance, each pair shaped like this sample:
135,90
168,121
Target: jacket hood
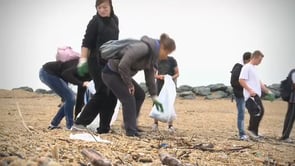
154,46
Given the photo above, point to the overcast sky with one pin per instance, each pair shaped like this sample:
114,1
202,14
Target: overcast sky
210,35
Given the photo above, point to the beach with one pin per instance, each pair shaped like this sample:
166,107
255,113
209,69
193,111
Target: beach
206,134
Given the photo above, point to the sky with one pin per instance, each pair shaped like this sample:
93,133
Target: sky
210,35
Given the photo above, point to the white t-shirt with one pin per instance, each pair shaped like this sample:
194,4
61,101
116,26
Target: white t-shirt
250,75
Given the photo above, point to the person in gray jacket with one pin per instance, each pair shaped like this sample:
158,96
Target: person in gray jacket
290,114
117,76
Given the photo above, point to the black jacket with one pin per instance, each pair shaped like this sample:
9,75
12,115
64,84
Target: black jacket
66,70
100,30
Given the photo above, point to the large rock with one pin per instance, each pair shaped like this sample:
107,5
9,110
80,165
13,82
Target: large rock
217,95
202,91
25,88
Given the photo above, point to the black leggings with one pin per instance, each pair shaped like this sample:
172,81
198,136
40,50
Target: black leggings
103,102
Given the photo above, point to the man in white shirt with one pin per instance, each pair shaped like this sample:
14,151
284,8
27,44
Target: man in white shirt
252,87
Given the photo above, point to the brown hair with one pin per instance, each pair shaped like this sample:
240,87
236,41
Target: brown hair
98,2
167,42
256,54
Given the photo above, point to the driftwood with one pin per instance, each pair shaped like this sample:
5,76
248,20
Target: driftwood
210,147
55,152
96,158
20,114
170,161
66,140
205,147
272,162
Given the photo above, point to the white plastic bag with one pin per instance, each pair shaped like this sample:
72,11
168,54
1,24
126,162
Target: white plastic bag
89,92
88,137
167,98
95,123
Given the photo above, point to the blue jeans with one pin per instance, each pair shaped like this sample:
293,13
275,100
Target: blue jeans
61,88
240,103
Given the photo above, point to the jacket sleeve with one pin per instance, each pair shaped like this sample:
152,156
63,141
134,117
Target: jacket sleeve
70,76
89,40
150,81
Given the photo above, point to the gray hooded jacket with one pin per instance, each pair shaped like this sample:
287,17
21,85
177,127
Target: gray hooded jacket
136,57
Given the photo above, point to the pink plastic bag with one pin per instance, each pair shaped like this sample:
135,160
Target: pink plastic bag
66,53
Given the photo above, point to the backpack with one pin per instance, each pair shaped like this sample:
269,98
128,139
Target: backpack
234,80
110,49
235,74
286,87
66,53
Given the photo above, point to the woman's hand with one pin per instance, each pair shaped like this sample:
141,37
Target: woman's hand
160,77
85,83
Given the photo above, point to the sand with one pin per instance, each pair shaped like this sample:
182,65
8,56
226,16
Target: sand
206,134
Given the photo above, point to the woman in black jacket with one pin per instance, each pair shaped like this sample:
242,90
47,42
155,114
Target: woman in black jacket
56,75
101,28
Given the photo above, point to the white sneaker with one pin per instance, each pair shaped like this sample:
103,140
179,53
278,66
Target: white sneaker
244,138
260,135
171,129
77,127
155,127
287,140
253,135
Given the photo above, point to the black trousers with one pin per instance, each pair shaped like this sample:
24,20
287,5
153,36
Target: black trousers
131,104
289,120
256,111
103,102
159,84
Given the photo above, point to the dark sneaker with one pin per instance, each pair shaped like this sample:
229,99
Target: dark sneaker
102,130
133,135
51,127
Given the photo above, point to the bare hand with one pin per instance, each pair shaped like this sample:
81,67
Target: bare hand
161,77
85,83
252,93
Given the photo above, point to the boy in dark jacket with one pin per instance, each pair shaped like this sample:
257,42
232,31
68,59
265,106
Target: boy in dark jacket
290,114
238,94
